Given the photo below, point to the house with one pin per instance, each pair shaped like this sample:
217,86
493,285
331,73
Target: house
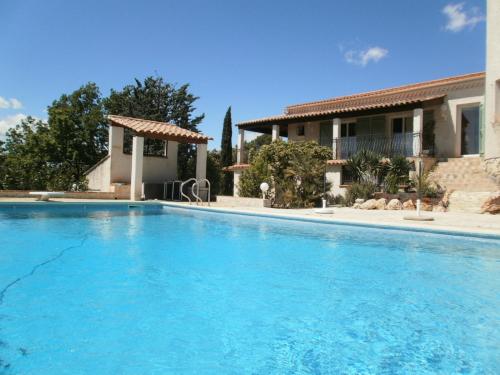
143,152
455,120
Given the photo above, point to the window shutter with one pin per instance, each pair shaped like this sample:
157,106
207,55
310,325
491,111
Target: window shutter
481,129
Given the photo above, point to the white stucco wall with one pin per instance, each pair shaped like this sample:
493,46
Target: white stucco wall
99,178
155,168
448,127
311,132
492,102
118,167
334,177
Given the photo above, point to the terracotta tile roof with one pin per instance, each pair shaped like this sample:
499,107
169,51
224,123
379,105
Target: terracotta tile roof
158,130
236,167
336,162
397,96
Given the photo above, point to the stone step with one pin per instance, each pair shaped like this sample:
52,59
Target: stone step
466,201
464,174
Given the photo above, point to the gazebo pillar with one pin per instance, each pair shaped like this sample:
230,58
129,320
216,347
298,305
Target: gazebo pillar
201,161
137,163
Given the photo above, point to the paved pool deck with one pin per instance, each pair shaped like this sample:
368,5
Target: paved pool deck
458,222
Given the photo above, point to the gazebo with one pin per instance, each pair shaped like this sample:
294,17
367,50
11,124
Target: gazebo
137,167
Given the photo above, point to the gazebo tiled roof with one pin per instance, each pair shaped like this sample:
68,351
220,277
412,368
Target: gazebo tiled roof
158,130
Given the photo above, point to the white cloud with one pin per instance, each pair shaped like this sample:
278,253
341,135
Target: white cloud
10,121
4,103
363,57
10,103
459,18
15,103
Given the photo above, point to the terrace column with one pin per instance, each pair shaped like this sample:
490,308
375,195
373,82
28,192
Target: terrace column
201,161
136,175
276,132
336,138
418,126
241,146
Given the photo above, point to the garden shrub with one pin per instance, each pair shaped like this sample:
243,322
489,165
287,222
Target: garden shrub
294,170
360,190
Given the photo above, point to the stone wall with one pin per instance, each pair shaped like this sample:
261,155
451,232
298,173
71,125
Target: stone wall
492,168
71,194
229,201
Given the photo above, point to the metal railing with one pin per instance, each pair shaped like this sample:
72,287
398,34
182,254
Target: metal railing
402,144
196,195
196,186
175,194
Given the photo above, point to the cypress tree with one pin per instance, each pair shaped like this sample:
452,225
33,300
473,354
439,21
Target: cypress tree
227,153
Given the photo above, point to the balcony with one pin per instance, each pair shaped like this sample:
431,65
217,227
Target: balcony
403,144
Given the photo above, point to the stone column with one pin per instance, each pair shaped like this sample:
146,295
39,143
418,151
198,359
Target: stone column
201,160
276,132
492,89
236,188
240,156
336,146
136,175
418,127
115,144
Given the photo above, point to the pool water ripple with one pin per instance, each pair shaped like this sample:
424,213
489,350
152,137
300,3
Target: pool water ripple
161,290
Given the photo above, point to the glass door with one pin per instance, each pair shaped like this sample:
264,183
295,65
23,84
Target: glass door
470,120
402,136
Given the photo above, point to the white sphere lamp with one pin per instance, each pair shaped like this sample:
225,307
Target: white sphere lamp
264,187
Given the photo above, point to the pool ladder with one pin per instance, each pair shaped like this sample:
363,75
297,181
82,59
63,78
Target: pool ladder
196,186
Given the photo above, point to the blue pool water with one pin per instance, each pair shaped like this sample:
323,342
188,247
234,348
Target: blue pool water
152,290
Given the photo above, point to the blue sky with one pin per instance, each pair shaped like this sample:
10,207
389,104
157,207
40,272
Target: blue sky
257,56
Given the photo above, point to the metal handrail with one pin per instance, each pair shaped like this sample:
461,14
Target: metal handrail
182,189
197,195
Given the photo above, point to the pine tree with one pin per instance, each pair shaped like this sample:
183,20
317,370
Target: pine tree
227,153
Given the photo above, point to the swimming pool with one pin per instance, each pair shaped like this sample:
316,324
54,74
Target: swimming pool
108,289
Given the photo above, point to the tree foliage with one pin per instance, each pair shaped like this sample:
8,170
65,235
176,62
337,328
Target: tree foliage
158,100
26,162
78,134
253,146
56,154
294,170
226,153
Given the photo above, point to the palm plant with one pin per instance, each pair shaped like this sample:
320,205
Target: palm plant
366,166
397,172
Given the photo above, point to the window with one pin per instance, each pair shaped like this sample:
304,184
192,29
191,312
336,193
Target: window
402,125
346,176
369,126
348,129
152,147
401,142
300,130
326,134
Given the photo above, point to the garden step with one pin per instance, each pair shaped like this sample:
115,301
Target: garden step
464,174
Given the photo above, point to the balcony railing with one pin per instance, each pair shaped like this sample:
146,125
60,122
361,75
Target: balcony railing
403,144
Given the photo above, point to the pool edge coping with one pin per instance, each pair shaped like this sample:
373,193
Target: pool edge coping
413,226
478,233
